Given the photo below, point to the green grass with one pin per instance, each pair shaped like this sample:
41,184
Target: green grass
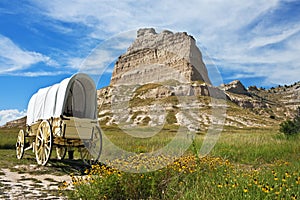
257,146
145,88
245,163
140,145
8,138
253,146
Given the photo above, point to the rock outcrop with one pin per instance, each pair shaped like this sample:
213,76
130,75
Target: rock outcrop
18,123
157,57
161,79
238,94
235,87
246,101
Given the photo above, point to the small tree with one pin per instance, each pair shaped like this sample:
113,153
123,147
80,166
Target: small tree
291,127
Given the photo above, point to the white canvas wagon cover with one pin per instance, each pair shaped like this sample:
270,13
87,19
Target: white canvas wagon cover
74,96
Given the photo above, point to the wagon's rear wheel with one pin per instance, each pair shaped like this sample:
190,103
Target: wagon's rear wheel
61,153
20,144
86,156
43,143
91,152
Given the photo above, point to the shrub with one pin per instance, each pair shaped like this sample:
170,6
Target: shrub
291,127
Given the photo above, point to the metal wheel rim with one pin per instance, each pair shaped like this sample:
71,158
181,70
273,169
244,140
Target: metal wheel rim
20,144
43,143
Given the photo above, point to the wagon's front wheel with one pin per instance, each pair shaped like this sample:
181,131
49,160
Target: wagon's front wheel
43,143
20,144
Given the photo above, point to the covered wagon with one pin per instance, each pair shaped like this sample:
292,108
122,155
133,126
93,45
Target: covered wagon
63,116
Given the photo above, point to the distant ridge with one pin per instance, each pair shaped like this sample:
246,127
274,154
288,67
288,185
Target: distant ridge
18,123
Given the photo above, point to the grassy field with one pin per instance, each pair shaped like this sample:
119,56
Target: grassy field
8,137
245,163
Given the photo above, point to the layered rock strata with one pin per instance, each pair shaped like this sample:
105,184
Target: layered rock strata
157,57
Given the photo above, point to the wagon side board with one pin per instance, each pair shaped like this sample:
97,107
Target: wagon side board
67,131
33,129
78,128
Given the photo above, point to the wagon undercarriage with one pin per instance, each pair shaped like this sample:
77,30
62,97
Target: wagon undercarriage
42,141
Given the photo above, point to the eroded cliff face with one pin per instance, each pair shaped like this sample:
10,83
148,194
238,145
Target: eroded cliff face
235,87
191,105
195,106
157,57
162,79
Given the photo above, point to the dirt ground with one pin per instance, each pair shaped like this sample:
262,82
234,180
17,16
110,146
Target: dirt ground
24,179
17,185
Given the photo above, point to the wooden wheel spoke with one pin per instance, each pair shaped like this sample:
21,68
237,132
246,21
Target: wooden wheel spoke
95,139
40,154
43,157
43,143
85,153
41,133
39,138
93,149
46,153
20,144
39,149
44,127
48,148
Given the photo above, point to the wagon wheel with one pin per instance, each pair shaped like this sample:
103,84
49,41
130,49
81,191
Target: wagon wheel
61,153
91,152
43,143
20,144
85,155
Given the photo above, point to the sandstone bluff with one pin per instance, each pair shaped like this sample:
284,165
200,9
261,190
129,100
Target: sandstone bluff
156,57
166,82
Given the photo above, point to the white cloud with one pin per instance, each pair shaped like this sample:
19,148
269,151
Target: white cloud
233,32
40,73
103,56
194,15
98,61
13,58
265,40
282,75
9,115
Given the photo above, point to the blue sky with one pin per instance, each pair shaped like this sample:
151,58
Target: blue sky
43,42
